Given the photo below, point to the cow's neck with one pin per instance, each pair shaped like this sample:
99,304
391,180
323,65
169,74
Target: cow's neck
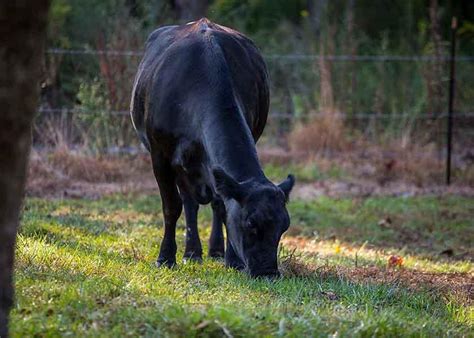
230,145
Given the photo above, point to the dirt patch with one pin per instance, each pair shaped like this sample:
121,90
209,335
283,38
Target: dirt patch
67,174
393,164
457,285
367,188
460,285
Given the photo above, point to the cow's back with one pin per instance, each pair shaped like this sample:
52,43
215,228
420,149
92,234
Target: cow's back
187,68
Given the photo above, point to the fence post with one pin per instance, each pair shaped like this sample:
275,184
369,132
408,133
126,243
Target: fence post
452,81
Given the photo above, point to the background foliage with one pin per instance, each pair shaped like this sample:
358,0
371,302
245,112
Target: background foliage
296,38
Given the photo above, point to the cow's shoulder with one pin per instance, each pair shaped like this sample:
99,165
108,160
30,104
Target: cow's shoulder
249,73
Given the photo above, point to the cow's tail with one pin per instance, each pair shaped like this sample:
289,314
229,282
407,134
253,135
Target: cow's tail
137,113
139,125
144,140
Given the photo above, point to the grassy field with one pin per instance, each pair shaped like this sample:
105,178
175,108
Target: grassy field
86,268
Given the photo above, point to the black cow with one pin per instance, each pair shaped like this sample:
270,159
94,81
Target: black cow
199,104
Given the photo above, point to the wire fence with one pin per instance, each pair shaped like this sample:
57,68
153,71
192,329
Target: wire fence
273,115
378,94
379,58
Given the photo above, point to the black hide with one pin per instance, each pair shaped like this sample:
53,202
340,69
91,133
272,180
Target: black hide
199,104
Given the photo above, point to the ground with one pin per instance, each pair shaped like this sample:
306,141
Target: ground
85,268
65,173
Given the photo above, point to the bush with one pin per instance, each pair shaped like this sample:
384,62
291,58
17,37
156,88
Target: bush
324,133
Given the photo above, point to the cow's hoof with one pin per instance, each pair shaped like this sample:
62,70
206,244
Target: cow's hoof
165,263
192,259
217,255
235,265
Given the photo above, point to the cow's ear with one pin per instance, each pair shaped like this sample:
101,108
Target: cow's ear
227,187
287,185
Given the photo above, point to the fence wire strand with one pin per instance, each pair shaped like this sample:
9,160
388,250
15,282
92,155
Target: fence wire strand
280,118
272,115
315,57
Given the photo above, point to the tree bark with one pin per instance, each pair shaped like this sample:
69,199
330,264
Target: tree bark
317,9
352,49
22,32
436,97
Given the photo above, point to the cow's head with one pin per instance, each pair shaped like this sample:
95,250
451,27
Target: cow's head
256,219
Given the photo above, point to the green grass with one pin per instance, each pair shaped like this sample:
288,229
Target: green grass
306,172
423,226
85,268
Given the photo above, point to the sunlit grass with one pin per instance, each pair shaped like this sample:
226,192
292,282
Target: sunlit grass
349,254
306,172
86,268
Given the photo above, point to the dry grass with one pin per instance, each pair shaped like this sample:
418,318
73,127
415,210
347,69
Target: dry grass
413,163
467,174
458,285
327,142
322,134
363,172
275,155
420,165
87,168
291,265
63,173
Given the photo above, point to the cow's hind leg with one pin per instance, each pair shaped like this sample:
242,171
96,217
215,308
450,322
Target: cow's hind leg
193,249
216,241
172,207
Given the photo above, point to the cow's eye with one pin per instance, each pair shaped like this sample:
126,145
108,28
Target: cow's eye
251,226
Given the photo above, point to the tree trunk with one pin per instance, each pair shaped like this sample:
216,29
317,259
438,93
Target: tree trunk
435,78
352,50
327,47
436,99
317,9
22,32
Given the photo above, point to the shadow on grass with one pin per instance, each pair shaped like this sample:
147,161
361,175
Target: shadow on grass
455,285
438,229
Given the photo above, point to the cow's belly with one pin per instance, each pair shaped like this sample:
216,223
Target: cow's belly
189,162
199,189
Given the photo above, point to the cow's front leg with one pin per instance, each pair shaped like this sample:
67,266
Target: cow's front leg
193,249
172,207
216,241
231,258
